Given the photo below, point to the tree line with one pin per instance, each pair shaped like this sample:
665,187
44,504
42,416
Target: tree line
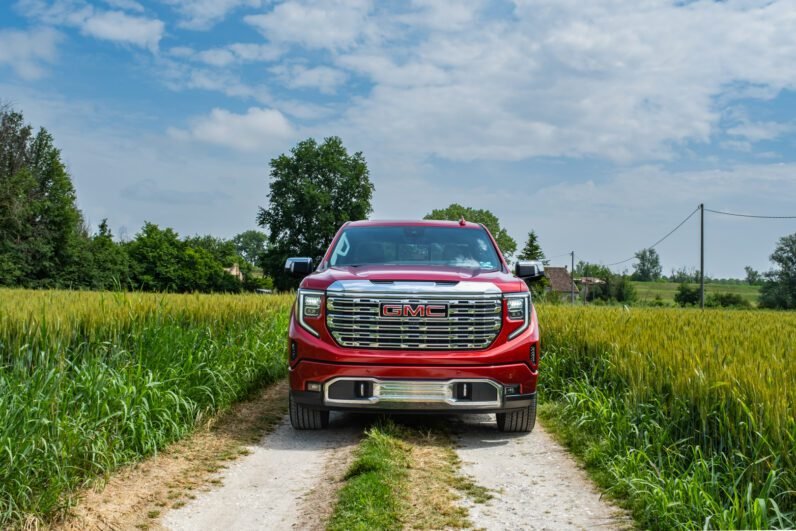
313,190
46,243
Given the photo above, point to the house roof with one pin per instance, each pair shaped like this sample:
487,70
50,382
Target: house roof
560,280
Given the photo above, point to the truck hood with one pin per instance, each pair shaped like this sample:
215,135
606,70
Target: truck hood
321,280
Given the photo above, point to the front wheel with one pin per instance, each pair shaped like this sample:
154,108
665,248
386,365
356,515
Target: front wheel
304,418
520,420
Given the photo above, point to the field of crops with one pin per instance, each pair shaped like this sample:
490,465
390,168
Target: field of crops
91,381
648,291
688,415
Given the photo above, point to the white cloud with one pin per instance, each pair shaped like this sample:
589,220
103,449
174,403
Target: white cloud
758,131
257,129
611,80
202,14
443,15
127,5
26,52
116,26
230,54
120,27
323,78
333,24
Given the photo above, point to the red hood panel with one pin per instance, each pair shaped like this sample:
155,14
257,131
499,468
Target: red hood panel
322,279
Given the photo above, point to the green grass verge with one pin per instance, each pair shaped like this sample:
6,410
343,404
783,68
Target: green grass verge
647,291
635,449
374,491
90,382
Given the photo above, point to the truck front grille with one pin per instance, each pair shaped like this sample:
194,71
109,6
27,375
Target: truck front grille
470,324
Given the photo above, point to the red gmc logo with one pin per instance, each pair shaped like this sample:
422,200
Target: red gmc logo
413,310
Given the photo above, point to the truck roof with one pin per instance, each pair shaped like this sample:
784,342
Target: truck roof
413,223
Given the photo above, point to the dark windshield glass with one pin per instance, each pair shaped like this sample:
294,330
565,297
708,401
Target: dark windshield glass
408,245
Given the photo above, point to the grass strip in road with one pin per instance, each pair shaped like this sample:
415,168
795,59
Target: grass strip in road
405,477
376,483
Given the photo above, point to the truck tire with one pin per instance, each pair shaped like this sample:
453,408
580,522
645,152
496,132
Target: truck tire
304,418
521,420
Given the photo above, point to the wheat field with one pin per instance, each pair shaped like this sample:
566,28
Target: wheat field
91,381
689,414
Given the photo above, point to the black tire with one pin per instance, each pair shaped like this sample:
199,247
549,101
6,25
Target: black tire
521,420
304,418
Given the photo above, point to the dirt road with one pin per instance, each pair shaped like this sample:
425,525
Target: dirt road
269,487
536,483
288,481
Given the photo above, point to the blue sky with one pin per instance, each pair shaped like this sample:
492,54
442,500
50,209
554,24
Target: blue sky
600,125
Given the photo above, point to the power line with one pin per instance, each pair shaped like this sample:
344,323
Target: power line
659,241
748,215
557,256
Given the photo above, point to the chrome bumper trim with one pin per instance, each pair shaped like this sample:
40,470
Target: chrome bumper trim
414,394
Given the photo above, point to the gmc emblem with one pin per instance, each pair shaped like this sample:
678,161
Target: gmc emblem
413,310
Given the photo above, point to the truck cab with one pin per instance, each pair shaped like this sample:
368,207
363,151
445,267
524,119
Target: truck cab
413,316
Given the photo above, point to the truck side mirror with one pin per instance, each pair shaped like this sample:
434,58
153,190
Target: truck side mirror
298,267
530,270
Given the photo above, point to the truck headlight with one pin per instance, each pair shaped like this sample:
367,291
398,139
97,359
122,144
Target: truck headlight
518,308
309,307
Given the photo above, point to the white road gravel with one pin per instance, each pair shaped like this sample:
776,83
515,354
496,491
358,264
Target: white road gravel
282,483
263,490
535,482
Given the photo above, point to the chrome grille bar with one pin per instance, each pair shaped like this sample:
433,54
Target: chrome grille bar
472,322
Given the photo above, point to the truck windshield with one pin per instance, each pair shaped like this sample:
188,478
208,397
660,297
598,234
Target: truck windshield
415,245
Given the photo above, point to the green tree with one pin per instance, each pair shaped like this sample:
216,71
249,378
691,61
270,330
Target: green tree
223,251
156,257
41,234
532,249
109,259
753,277
648,267
313,191
779,288
622,289
684,275
455,212
586,269
250,245
726,300
687,295
161,261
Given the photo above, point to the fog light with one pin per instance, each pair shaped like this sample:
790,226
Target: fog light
314,386
533,354
363,389
512,390
293,351
464,391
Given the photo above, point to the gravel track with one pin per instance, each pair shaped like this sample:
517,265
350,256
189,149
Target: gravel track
265,489
290,480
536,484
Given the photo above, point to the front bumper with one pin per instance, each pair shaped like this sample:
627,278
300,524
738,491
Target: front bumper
465,389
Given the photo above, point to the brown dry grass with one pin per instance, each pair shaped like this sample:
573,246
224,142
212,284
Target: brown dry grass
136,496
316,507
436,484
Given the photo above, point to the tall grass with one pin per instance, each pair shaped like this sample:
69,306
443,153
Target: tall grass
689,415
91,381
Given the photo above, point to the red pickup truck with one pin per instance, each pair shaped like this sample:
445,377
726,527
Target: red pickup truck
417,316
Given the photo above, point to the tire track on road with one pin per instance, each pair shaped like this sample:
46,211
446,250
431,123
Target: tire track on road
264,490
536,483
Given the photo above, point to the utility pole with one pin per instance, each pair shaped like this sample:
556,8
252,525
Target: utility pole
702,255
572,278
